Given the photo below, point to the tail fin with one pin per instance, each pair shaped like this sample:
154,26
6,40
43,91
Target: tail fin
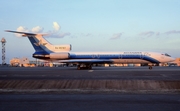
41,45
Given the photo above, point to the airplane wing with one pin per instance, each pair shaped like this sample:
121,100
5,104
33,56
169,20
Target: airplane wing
100,61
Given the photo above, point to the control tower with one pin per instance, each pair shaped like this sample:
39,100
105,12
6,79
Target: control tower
3,40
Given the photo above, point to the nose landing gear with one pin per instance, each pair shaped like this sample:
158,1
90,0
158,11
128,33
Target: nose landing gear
84,66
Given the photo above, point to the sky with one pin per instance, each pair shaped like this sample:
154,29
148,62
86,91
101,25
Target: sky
93,25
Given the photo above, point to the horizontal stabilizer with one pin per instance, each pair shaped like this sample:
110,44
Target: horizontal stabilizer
25,33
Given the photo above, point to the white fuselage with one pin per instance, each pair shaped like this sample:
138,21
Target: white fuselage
118,57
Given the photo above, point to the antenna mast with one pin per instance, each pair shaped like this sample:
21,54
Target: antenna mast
3,40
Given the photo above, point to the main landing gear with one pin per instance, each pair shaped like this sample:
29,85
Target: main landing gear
84,66
150,67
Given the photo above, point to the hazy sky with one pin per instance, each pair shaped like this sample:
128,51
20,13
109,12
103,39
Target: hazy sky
93,25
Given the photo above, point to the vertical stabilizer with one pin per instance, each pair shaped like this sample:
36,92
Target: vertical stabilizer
40,44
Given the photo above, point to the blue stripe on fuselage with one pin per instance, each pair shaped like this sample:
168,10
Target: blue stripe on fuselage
150,59
113,56
94,56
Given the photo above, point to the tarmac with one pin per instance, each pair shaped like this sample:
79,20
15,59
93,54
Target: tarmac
103,88
99,80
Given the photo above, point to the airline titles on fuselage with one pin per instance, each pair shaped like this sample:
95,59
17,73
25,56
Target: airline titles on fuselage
117,55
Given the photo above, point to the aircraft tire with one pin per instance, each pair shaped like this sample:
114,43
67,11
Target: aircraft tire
150,67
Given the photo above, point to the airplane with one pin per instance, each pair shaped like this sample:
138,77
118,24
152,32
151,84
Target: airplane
84,60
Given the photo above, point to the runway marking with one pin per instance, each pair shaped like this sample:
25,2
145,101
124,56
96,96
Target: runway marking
90,70
163,75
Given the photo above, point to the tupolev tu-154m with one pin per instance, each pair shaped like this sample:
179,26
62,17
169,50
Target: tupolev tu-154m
63,54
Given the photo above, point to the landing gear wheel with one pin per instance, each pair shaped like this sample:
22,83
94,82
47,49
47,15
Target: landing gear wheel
78,67
90,67
150,67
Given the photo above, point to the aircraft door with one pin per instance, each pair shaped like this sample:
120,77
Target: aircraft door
120,57
141,56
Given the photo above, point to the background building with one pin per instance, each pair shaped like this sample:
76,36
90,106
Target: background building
19,62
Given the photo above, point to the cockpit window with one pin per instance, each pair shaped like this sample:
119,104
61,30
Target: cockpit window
167,55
